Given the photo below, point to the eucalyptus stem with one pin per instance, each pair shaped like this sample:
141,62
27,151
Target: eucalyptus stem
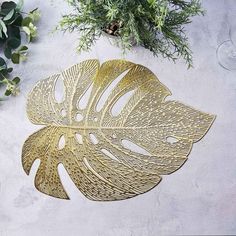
12,25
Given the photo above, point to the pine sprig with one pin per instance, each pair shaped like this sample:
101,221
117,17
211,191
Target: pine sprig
157,25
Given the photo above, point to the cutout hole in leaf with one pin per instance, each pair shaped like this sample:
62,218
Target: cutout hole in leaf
34,167
134,147
61,142
109,154
66,180
79,117
79,138
172,140
63,112
102,100
59,91
83,102
93,139
121,102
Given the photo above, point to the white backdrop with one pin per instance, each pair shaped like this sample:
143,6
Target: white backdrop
200,198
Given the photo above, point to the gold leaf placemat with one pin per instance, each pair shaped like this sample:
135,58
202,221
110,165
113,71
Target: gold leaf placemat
110,154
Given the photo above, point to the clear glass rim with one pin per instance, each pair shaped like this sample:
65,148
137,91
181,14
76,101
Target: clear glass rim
217,54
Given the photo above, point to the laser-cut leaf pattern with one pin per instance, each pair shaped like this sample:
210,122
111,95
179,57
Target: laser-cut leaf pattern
92,150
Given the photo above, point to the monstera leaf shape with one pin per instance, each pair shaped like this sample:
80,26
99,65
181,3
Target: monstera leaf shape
108,156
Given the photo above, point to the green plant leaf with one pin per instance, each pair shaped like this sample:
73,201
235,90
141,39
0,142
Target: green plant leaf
23,57
35,15
14,32
3,28
9,15
26,21
157,25
19,5
6,7
8,92
23,48
7,52
18,20
26,29
9,70
15,58
11,23
13,43
2,69
16,80
3,63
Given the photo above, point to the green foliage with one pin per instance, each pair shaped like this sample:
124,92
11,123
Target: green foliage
11,85
157,25
12,23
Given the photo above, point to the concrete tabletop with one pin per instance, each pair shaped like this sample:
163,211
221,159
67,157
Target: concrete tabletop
199,198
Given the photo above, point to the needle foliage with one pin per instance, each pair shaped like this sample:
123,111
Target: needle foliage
157,25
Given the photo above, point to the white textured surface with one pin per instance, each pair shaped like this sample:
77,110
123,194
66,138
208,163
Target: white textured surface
200,198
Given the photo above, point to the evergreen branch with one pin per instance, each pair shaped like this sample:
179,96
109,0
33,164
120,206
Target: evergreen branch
157,25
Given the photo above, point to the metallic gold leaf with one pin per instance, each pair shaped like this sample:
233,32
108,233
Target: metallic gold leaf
108,157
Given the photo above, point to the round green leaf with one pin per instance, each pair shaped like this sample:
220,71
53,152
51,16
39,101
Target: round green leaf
9,70
13,43
16,80
18,20
6,7
23,48
20,5
15,58
9,15
8,92
7,52
3,28
3,63
14,32
26,21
